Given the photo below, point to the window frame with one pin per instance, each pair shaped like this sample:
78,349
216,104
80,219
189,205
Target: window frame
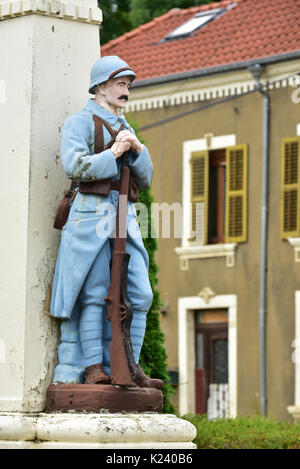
211,15
189,249
285,187
218,161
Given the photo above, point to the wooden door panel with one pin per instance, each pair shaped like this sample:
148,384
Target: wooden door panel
200,391
211,363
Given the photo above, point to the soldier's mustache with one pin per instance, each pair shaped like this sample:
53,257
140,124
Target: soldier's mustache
124,97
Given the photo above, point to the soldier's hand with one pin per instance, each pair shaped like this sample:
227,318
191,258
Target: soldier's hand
118,148
127,136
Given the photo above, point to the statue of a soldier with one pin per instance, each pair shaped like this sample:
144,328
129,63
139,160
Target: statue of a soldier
93,142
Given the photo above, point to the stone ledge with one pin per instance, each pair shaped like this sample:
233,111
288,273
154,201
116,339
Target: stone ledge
68,430
115,446
57,9
187,253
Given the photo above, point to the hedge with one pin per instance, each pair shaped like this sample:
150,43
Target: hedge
253,432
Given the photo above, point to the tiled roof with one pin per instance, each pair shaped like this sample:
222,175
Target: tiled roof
251,29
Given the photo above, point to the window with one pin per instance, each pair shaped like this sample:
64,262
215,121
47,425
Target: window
214,198
219,195
290,188
194,23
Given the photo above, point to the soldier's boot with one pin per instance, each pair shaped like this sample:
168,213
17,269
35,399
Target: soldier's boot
95,374
143,381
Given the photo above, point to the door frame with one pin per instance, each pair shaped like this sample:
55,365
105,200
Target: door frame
187,349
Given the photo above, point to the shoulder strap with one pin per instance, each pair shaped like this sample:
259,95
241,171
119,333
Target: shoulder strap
112,132
98,120
99,137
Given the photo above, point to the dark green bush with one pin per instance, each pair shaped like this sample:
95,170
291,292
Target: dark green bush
153,357
254,432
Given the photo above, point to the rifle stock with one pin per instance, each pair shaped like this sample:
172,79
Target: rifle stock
119,310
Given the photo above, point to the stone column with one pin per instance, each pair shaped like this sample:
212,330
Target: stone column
46,49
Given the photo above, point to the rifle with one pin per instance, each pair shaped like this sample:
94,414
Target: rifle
119,311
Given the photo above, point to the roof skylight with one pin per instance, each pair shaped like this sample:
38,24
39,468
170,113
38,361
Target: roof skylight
194,23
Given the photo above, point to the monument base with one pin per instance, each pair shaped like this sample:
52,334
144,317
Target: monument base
102,397
95,431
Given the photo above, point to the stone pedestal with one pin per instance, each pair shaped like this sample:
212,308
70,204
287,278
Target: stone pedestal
95,431
97,397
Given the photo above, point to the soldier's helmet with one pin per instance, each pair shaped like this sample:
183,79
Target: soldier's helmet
109,66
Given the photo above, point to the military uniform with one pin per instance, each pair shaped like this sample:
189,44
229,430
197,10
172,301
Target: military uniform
82,273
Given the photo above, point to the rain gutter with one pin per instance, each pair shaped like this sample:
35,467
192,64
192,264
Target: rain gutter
263,252
256,70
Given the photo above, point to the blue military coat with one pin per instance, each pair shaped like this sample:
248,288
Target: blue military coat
82,236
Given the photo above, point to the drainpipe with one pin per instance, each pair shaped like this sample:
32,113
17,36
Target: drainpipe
256,71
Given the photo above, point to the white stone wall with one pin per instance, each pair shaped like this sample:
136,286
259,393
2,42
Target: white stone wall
44,76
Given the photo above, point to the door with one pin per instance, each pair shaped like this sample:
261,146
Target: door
211,328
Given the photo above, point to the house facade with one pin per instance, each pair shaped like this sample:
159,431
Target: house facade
217,100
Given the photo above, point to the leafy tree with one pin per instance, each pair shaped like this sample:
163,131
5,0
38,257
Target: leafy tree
116,19
142,11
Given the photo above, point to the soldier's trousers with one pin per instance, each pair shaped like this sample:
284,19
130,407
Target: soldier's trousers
89,327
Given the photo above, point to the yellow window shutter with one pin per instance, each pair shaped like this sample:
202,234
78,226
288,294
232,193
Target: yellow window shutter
236,194
290,188
199,195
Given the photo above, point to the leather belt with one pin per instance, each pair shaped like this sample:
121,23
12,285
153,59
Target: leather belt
104,186
115,185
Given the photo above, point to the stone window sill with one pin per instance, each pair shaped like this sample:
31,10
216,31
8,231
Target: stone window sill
187,253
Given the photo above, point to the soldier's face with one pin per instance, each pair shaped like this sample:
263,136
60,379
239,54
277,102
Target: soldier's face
116,92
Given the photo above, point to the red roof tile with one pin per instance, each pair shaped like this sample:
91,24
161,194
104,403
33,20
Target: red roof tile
251,29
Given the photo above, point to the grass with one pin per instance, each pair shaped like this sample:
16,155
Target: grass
244,433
